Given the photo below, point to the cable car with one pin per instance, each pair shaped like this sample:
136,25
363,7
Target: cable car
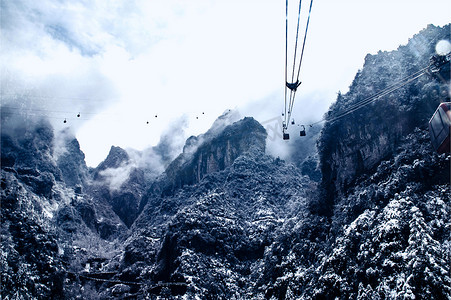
439,128
302,132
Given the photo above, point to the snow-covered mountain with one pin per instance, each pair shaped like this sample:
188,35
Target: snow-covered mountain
354,145
365,215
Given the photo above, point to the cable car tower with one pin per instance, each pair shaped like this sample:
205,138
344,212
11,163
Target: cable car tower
291,84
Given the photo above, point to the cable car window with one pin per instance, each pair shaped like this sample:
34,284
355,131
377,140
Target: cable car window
437,124
439,128
445,118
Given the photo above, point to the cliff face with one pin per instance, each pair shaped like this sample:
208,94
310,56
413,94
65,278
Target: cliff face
115,159
354,149
72,165
118,182
45,210
388,234
213,152
27,150
353,145
211,238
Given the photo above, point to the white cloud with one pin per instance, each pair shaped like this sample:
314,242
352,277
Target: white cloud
121,62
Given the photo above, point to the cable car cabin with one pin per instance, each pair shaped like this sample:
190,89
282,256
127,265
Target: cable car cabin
302,132
439,128
286,136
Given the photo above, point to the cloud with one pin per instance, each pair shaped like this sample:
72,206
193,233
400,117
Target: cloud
48,63
115,177
152,161
121,62
148,163
308,109
171,142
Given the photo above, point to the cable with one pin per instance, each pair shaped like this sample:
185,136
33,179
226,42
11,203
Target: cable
355,106
296,43
293,93
61,118
305,37
389,89
59,99
286,57
302,55
43,110
288,111
401,83
81,116
373,99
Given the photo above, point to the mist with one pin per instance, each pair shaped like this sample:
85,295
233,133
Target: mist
309,109
49,68
104,69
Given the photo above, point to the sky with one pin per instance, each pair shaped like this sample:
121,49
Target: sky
124,72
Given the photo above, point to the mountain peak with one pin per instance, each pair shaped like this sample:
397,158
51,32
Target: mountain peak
214,151
115,158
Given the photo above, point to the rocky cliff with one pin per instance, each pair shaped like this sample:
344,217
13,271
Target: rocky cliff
212,152
72,164
46,213
119,183
116,158
211,237
355,144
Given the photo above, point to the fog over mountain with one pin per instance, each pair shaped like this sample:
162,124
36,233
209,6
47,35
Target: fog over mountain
357,209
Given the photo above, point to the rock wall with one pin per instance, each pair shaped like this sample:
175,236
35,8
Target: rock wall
213,153
351,146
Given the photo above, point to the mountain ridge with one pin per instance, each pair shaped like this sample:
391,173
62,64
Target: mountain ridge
226,220
347,151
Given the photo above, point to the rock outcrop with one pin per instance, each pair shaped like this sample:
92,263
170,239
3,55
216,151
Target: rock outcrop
355,144
116,158
72,164
213,152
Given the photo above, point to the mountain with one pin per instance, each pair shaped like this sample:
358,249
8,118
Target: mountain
213,152
119,183
116,158
354,145
387,238
46,213
361,214
208,236
71,163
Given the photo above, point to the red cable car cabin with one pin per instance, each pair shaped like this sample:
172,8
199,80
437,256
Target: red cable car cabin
439,128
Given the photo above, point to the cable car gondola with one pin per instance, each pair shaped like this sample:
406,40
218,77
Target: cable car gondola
439,128
302,132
